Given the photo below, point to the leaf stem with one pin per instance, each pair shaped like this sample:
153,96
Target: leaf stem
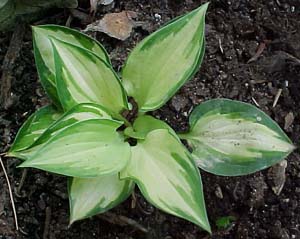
183,136
126,122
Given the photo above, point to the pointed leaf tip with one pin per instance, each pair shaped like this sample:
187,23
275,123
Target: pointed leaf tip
44,58
34,127
88,148
173,53
92,82
91,196
167,177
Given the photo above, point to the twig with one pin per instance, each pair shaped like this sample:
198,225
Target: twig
23,177
140,207
23,232
47,223
234,193
290,57
122,221
69,20
259,51
277,97
278,3
8,64
255,102
220,46
143,210
133,201
10,194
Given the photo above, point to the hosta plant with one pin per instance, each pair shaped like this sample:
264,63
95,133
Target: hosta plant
106,145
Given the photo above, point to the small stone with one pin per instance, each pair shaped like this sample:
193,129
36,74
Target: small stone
41,204
157,17
286,200
106,2
223,75
179,102
295,233
219,192
234,92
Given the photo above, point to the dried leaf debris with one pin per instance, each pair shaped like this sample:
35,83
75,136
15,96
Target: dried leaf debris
116,25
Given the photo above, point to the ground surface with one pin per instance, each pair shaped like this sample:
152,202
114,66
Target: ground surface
234,32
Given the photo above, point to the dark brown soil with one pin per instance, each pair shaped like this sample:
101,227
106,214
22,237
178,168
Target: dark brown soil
234,32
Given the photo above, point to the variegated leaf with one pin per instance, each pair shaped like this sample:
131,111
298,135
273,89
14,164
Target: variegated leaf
34,127
165,60
43,52
91,196
88,148
82,77
78,113
233,138
168,177
145,124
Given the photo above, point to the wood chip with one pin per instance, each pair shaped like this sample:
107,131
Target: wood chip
255,102
259,51
106,2
117,25
276,176
277,97
288,120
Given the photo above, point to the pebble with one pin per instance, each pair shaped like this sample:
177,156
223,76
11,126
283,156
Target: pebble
219,192
179,102
157,17
41,204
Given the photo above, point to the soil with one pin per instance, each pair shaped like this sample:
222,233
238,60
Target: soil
235,32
